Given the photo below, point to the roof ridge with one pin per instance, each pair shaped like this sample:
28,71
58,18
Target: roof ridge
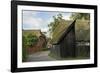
66,31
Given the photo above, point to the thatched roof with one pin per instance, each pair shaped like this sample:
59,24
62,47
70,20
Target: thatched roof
34,32
82,30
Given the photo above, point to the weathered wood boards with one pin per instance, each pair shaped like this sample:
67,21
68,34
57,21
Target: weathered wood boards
69,38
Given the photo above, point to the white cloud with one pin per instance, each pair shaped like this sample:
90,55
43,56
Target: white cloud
29,13
44,29
66,16
31,22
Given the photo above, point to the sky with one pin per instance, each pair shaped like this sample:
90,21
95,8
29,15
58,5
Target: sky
36,20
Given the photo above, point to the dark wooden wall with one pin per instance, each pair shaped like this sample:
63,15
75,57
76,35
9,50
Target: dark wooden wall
67,46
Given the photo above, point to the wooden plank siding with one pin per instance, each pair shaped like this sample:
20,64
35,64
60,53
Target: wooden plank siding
68,43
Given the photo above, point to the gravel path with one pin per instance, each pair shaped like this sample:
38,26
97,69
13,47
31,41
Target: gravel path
40,56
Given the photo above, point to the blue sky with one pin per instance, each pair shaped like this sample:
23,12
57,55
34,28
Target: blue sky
34,20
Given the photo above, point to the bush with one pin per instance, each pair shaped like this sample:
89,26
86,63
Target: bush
24,47
31,40
27,42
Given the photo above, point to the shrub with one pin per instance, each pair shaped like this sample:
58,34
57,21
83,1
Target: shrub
31,40
27,42
24,47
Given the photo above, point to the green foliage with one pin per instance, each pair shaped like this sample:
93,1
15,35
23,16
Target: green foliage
28,41
82,30
82,16
24,51
56,20
31,40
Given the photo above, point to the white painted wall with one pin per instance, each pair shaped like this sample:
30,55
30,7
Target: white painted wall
5,26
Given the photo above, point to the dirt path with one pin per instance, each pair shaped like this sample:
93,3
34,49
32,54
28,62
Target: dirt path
40,56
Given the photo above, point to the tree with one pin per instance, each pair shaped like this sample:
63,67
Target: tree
82,16
31,40
27,41
56,20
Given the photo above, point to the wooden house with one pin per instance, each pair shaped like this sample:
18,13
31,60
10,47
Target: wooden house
70,39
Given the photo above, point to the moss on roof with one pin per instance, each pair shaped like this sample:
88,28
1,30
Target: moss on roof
82,30
34,32
59,30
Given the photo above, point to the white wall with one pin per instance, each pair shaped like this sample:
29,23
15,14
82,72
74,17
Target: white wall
5,32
